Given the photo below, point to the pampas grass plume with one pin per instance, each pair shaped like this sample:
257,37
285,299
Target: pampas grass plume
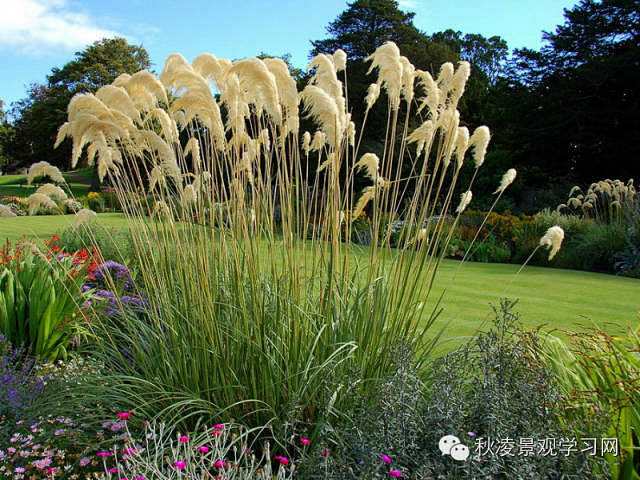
480,141
507,179
465,200
52,191
552,240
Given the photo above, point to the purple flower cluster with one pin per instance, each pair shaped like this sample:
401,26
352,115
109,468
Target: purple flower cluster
18,386
125,295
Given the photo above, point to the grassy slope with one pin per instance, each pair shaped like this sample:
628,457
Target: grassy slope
558,298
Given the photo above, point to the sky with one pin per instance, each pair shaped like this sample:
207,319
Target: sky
37,35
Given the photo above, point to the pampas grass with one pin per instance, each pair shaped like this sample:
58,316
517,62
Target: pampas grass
243,246
5,211
38,202
54,192
44,169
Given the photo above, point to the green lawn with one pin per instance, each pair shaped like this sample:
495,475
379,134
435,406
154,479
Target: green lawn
557,298
16,185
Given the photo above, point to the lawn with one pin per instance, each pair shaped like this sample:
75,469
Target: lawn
556,298
16,185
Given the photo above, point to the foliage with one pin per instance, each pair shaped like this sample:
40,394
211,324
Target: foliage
39,298
7,133
494,387
559,111
111,243
601,373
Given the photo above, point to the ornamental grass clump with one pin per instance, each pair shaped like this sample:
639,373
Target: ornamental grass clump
241,238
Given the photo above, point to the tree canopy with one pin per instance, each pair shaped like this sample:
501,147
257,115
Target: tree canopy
43,111
570,111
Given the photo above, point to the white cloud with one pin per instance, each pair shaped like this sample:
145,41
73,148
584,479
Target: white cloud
408,3
40,26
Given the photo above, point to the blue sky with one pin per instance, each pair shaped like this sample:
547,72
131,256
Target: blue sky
36,35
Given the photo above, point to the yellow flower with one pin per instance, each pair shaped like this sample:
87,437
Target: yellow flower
93,195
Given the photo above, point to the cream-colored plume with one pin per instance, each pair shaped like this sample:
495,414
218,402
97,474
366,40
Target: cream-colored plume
552,240
507,179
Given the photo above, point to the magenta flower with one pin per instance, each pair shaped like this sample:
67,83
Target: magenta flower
203,449
124,415
218,426
112,470
129,451
385,458
50,471
325,453
104,454
215,433
283,460
220,464
139,478
184,439
181,465
395,473
305,441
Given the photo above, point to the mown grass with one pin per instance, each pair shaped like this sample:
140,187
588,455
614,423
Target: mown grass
556,298
16,185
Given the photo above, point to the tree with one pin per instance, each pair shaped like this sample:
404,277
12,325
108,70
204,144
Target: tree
43,111
6,135
570,111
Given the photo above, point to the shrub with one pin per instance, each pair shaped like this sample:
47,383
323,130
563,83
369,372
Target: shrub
112,244
95,202
495,387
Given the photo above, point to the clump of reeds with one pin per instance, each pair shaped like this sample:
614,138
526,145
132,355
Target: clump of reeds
606,201
242,225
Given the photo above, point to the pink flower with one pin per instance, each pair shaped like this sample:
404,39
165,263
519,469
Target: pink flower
283,460
220,464
139,478
84,462
216,433
325,453
218,426
184,439
129,451
385,458
181,465
203,449
104,454
124,415
50,471
305,441
19,470
395,473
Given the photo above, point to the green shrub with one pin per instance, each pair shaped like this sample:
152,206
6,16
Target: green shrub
113,244
95,202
